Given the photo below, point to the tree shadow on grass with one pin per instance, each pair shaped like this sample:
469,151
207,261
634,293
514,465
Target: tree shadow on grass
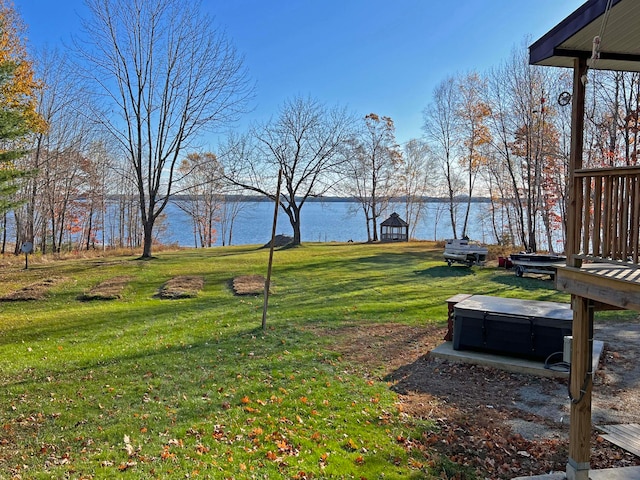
445,271
528,282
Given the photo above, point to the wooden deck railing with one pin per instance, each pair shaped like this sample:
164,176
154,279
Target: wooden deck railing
609,221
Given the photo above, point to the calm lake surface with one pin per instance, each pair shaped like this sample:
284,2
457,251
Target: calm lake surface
338,221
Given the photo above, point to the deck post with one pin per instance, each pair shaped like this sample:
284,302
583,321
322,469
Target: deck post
575,162
581,349
580,389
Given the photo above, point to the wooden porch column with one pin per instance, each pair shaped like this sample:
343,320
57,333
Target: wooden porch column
580,390
574,209
582,345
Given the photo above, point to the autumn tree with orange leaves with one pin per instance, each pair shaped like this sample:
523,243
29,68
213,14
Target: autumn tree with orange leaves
18,114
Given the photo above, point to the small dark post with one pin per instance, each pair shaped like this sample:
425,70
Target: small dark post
27,248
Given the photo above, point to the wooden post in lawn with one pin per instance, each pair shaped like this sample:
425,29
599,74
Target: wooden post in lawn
267,282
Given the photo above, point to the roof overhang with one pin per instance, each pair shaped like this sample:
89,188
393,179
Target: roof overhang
573,37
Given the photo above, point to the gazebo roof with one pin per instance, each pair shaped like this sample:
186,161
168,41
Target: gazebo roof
394,221
619,28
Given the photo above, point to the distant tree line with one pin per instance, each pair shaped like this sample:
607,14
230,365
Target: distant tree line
99,138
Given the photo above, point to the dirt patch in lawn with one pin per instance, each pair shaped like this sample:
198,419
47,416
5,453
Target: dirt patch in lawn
500,423
248,285
34,291
183,286
110,289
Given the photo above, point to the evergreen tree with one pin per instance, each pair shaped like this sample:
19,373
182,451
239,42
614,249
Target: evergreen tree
18,114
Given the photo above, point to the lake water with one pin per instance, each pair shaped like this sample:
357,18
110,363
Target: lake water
325,222
339,221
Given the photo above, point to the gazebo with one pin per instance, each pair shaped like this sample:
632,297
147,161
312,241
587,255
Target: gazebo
603,211
394,229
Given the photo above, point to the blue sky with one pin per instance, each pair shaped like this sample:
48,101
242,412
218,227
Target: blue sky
376,56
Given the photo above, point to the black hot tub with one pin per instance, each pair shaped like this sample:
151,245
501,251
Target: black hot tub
524,328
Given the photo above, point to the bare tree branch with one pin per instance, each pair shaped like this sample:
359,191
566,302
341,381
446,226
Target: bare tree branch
166,77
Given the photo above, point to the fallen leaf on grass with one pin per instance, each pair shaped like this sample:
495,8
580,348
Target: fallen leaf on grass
125,466
351,445
127,446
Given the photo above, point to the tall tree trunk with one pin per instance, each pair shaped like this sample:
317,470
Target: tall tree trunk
547,224
89,228
195,233
103,207
297,239
147,239
4,232
293,212
61,234
54,232
367,219
452,213
121,222
466,213
452,208
374,220
518,201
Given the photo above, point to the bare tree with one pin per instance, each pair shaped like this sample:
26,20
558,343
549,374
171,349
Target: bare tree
614,117
534,145
525,146
50,205
62,175
231,208
166,76
123,211
472,112
372,161
98,170
417,180
504,170
441,130
202,182
304,141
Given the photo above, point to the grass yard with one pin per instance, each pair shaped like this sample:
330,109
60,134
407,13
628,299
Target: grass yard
141,386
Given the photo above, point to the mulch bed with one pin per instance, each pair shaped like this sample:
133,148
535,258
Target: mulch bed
248,285
35,291
110,289
183,286
473,407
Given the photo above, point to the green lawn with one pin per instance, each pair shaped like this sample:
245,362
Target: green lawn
142,387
